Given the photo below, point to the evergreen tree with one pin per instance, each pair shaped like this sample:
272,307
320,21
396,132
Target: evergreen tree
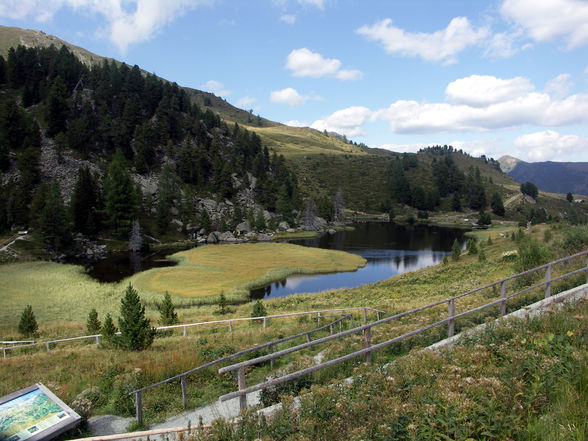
57,107
455,250
119,196
136,332
497,205
85,203
260,221
109,330
93,325
54,226
570,197
222,303
258,309
167,312
472,247
205,221
484,218
27,325
168,191
529,189
456,202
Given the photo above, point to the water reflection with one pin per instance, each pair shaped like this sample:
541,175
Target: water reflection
388,248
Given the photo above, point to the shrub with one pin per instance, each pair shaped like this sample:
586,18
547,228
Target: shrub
258,310
109,330
472,247
28,323
93,325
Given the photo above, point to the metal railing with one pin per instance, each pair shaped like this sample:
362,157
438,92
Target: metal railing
230,322
366,329
182,377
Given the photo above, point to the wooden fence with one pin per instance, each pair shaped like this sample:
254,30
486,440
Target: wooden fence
182,377
230,322
366,329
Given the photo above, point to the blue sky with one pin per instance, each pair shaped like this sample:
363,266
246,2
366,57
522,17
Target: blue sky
490,77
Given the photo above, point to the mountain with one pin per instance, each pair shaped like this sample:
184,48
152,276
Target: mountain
194,158
549,176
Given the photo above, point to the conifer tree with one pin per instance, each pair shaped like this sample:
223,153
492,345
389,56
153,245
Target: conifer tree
54,223
28,326
222,303
455,250
260,221
258,309
57,107
119,196
109,330
168,315
136,332
93,325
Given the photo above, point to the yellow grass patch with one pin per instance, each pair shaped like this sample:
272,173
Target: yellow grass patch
234,269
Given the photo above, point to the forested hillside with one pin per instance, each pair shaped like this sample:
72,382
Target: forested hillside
120,122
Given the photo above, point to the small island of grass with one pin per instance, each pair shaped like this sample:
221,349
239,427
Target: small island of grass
234,269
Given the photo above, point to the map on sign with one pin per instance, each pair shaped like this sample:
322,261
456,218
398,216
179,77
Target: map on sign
33,415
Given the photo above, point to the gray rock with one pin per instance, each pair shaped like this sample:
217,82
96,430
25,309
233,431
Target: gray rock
331,231
243,228
212,237
290,230
227,236
283,226
264,237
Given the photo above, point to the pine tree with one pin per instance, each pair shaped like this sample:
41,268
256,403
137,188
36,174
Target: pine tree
222,303
455,250
258,309
472,247
85,203
260,221
57,107
109,330
28,326
119,196
93,325
497,204
53,222
136,332
168,315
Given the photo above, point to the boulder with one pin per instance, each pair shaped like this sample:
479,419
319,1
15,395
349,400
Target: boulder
283,226
264,237
227,236
212,237
243,228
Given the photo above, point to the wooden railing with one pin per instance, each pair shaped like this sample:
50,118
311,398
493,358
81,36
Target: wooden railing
366,329
230,322
182,377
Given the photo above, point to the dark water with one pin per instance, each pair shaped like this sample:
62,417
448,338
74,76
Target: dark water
117,266
389,249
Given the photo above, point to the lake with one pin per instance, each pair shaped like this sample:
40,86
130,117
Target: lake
389,249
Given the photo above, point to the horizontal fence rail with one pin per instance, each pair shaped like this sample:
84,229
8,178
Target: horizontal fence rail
96,337
182,377
366,329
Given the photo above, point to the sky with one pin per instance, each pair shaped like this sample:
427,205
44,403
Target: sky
496,77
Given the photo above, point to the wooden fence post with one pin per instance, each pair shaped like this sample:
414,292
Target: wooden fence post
184,331
367,341
242,386
340,325
184,395
264,323
271,351
548,281
365,315
308,337
139,407
97,340
318,318
331,328
47,345
230,325
586,268
378,315
503,297
450,314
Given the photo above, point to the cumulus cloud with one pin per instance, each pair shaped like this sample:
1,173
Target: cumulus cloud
288,96
402,148
483,90
547,20
502,45
441,46
509,103
127,22
215,87
345,122
541,146
296,123
305,63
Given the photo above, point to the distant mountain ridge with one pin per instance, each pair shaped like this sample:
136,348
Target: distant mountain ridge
549,176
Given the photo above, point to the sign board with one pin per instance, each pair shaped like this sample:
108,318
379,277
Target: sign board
34,413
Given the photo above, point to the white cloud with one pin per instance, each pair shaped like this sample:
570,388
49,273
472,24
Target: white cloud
345,122
296,123
559,86
548,19
320,4
288,96
402,148
441,46
215,87
305,63
549,144
127,22
246,102
288,18
502,104
483,90
501,45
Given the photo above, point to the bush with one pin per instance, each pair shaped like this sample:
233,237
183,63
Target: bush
455,250
258,310
109,331
167,312
28,326
472,247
